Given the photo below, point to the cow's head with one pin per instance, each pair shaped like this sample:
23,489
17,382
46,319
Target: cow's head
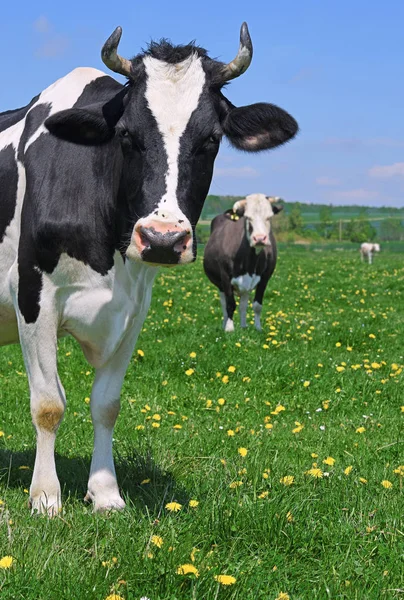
376,247
257,210
166,125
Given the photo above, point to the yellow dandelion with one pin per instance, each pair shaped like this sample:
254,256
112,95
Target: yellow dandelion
283,596
289,517
177,426
278,410
230,432
315,472
6,562
263,494
348,470
155,425
306,384
231,369
114,597
235,484
340,369
221,401
140,353
268,426
145,481
399,471
192,354
225,379
330,461
387,484
157,541
287,480
193,503
363,480
243,452
173,506
189,372
360,430
372,336
298,427
225,579
156,417
338,345
188,569
209,403
139,427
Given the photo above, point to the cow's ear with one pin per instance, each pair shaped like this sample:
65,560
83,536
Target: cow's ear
80,126
277,208
258,126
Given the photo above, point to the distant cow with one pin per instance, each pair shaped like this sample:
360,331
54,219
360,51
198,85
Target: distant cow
101,182
367,250
240,256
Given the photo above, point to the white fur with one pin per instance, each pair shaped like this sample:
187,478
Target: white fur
245,283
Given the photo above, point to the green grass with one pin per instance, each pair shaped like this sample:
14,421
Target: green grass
333,537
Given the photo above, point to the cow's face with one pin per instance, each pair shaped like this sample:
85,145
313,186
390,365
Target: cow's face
258,211
167,124
376,248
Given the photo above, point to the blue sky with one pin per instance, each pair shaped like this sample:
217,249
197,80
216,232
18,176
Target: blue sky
337,67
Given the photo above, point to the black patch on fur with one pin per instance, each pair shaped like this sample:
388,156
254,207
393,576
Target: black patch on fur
33,121
11,117
8,187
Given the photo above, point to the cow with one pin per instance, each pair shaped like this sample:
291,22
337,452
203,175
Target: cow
100,183
240,256
367,250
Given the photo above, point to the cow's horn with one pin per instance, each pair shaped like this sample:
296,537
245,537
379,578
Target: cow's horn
239,205
242,61
111,58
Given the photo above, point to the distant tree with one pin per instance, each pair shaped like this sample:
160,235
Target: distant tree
391,230
326,225
295,218
359,230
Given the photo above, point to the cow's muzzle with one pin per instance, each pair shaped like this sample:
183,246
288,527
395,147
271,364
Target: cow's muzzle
161,244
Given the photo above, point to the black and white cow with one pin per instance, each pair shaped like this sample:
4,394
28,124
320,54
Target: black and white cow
99,183
240,256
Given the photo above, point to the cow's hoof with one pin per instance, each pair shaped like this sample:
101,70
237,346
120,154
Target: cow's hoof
105,503
229,328
44,504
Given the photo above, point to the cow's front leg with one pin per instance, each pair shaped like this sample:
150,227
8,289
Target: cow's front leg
243,306
39,347
105,404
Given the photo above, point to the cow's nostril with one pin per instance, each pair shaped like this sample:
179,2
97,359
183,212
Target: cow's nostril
157,239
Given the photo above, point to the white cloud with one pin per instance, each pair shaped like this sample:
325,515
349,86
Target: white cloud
387,171
357,194
42,25
238,172
328,181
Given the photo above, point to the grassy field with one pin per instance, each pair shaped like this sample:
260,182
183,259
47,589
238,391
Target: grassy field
284,449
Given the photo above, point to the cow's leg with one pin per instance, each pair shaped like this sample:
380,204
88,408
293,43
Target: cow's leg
362,257
224,308
230,308
39,347
243,306
370,257
258,299
105,404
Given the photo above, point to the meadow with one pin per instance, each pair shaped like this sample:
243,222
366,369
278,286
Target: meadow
254,465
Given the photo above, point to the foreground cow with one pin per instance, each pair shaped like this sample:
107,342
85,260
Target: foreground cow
367,250
89,210
240,256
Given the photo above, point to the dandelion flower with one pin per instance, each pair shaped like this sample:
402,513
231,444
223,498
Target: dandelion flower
298,427
231,369
173,506
193,503
177,426
283,596
192,355
114,597
387,484
230,432
221,401
235,484
157,541
330,461
399,471
315,472
363,480
225,579
287,480
360,430
225,379
348,470
187,569
340,369
189,372
243,452
263,494
306,384
6,562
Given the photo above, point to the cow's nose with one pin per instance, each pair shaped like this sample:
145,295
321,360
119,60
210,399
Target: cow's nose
260,239
162,245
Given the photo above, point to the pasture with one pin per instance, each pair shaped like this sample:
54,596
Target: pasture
282,450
